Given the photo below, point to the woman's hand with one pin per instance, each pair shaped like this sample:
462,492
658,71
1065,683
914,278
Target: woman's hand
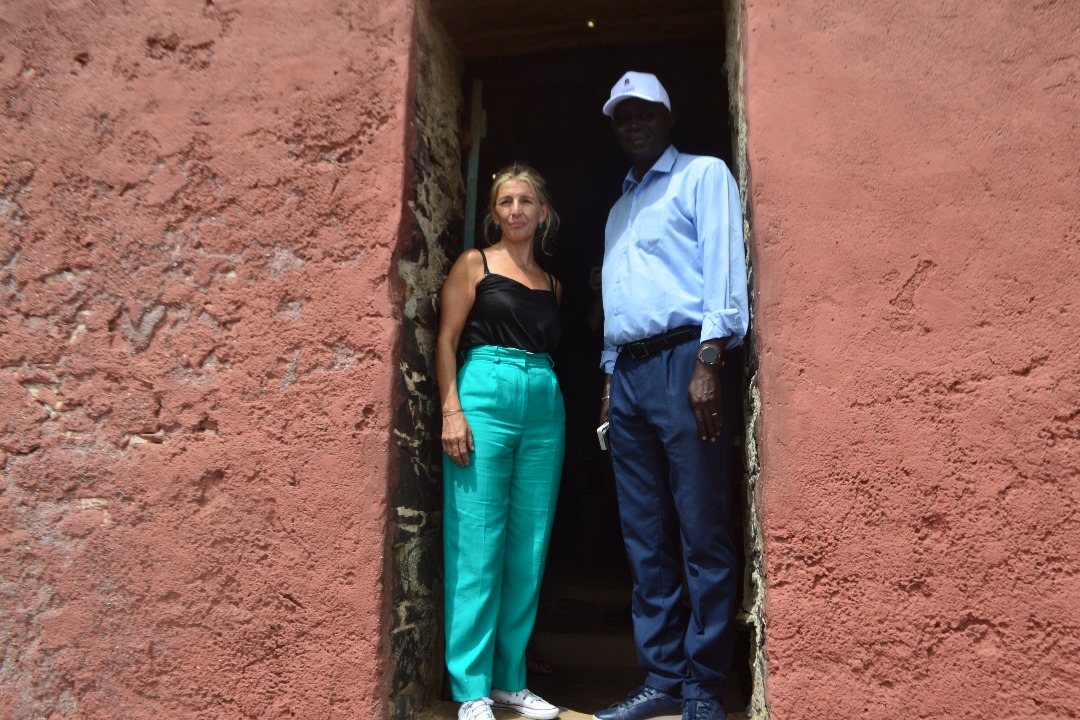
457,440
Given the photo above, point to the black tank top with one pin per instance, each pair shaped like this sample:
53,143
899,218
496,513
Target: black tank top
509,314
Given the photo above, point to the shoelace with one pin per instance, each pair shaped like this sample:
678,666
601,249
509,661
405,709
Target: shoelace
476,709
524,698
642,693
646,693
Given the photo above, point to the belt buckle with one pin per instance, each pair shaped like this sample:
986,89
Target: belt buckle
633,350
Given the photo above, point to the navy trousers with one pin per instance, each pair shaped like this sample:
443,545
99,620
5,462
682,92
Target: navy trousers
675,507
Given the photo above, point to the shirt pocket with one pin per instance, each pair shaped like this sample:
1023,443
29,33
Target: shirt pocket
648,237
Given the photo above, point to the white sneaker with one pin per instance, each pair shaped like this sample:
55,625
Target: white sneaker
524,703
476,710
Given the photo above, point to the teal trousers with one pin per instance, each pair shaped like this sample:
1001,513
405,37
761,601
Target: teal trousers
498,512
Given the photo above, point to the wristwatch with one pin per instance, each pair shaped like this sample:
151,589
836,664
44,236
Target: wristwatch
710,355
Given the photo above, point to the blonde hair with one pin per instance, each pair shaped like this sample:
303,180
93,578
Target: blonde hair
526,174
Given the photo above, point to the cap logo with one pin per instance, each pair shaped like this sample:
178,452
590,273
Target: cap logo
639,85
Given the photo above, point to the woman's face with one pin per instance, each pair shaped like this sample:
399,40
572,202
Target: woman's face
518,211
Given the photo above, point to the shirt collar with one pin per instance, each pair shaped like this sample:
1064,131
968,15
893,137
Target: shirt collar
663,164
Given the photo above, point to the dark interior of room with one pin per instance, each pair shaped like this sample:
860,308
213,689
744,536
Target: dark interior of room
544,108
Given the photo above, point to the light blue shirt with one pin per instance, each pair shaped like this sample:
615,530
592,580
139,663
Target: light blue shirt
673,255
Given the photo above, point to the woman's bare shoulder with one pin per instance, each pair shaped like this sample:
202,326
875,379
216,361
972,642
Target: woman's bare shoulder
468,268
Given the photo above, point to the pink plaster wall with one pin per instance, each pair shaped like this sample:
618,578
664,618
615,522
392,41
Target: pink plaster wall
914,179
199,206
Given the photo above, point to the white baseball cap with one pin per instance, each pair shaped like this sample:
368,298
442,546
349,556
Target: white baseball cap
644,86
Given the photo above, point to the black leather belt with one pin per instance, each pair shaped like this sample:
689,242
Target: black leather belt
663,341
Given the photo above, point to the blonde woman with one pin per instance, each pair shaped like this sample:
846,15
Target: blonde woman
503,442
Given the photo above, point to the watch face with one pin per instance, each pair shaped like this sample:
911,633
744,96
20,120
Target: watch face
708,355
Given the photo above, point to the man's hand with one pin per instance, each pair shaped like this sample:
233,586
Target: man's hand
605,400
704,395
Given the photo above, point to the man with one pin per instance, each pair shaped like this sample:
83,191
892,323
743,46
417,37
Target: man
674,290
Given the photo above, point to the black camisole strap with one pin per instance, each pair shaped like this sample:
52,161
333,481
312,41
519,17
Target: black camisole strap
551,278
484,258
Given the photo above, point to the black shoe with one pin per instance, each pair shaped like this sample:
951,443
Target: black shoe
703,710
645,702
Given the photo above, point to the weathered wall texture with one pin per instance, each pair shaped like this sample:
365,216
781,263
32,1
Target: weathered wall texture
752,612
436,222
914,174
199,209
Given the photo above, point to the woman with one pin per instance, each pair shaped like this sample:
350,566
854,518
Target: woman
503,436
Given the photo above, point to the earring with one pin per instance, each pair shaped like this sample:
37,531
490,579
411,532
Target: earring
495,224
541,226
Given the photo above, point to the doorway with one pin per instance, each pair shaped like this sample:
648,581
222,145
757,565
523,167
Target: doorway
543,82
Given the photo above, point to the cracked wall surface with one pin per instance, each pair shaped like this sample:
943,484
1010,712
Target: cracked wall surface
752,613
199,208
913,176
435,229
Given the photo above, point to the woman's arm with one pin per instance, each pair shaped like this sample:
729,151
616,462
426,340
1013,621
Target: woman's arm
458,295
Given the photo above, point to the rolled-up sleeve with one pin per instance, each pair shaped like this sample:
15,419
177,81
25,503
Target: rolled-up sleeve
723,257
607,358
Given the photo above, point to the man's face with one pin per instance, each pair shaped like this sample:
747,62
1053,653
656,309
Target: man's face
642,129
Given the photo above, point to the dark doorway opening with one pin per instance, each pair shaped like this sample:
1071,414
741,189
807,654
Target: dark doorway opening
543,107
